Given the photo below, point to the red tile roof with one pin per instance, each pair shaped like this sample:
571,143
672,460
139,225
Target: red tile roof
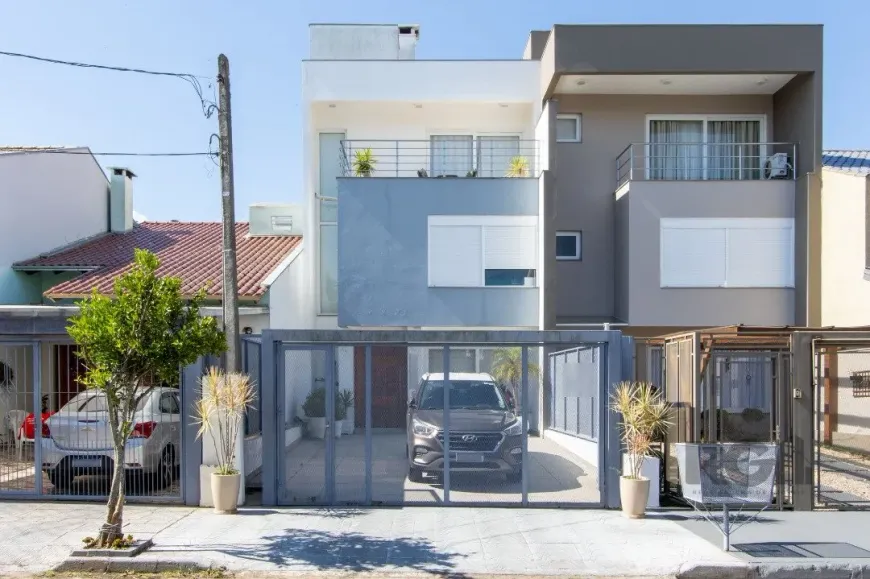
191,251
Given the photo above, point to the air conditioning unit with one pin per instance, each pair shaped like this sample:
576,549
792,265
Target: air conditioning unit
777,166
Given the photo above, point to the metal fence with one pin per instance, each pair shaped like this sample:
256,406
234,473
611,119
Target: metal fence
842,425
55,440
441,156
706,162
394,418
576,377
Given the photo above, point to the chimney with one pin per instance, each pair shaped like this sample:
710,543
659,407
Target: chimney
408,37
121,200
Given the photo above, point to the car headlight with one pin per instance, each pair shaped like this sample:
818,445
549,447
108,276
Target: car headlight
515,428
422,428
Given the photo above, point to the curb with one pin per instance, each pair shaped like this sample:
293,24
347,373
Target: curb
774,571
118,564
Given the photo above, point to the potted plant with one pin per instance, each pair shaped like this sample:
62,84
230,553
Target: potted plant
472,173
340,415
644,414
364,162
518,167
315,409
224,398
346,400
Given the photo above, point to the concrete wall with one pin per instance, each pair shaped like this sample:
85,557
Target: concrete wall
586,180
290,304
845,294
383,259
651,305
58,199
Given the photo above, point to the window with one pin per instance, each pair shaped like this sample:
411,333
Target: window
727,252
567,128
568,245
705,147
452,155
480,251
495,153
169,404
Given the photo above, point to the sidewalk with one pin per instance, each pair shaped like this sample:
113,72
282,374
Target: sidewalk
463,542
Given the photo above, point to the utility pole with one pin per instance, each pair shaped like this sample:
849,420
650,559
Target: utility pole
230,282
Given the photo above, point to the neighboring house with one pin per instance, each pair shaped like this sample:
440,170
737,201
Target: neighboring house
846,238
667,180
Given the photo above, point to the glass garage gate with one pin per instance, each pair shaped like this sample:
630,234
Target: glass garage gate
458,418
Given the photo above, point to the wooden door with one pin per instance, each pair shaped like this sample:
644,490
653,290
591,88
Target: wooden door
389,385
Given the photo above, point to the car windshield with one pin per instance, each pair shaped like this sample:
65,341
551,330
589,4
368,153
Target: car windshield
464,395
93,402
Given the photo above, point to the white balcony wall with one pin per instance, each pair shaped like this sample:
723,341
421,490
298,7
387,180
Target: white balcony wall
399,133
421,80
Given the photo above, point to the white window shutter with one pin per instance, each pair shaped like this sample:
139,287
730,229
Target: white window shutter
455,256
761,256
510,247
692,257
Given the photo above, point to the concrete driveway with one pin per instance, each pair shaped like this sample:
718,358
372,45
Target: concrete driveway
556,476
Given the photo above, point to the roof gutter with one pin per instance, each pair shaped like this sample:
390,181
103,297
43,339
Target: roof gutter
37,268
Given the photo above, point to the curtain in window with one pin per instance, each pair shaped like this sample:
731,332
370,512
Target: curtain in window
495,154
676,150
451,154
733,151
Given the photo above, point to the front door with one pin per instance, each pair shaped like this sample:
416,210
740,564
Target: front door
389,385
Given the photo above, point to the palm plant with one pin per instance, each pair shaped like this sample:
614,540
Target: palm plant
644,415
219,411
518,167
507,367
364,162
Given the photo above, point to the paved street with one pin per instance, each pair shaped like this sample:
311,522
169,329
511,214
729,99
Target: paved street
35,537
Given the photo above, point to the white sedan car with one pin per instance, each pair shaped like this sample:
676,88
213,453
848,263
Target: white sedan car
77,440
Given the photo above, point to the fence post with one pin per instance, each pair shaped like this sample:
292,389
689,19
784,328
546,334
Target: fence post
272,431
191,445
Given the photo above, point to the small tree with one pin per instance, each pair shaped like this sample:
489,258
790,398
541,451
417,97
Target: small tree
132,342
507,368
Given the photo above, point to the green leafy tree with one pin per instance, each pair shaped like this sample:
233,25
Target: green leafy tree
132,342
507,368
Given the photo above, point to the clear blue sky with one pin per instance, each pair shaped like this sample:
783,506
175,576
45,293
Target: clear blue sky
43,104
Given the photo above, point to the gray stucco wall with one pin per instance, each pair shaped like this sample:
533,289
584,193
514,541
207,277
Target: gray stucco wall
383,252
651,305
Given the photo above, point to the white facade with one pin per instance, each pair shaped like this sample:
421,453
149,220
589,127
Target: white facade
845,292
50,199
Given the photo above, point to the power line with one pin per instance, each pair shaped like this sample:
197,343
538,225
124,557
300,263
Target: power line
208,107
102,154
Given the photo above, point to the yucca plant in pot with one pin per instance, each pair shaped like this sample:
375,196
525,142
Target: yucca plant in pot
315,409
518,166
364,162
644,414
219,411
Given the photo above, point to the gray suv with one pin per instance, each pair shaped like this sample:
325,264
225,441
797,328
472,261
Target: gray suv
485,432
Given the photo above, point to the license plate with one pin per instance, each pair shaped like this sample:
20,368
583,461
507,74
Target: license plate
466,456
87,463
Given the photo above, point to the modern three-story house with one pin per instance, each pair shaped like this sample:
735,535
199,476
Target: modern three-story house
649,177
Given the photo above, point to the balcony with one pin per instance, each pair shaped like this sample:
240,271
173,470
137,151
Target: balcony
442,156
706,162
703,186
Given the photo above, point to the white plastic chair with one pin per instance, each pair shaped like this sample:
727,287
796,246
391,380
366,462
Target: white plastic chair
15,423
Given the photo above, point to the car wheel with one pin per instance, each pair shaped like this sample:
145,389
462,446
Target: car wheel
60,478
166,469
415,474
515,476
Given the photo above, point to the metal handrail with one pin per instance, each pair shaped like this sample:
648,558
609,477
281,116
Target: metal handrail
475,157
705,161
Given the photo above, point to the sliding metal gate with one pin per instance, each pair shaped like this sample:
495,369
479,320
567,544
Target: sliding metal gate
366,418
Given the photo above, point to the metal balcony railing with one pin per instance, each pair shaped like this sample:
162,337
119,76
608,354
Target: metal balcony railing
441,156
706,162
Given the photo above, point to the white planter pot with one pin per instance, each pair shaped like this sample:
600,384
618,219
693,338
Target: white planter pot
633,494
348,423
225,492
649,470
339,425
529,281
317,427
